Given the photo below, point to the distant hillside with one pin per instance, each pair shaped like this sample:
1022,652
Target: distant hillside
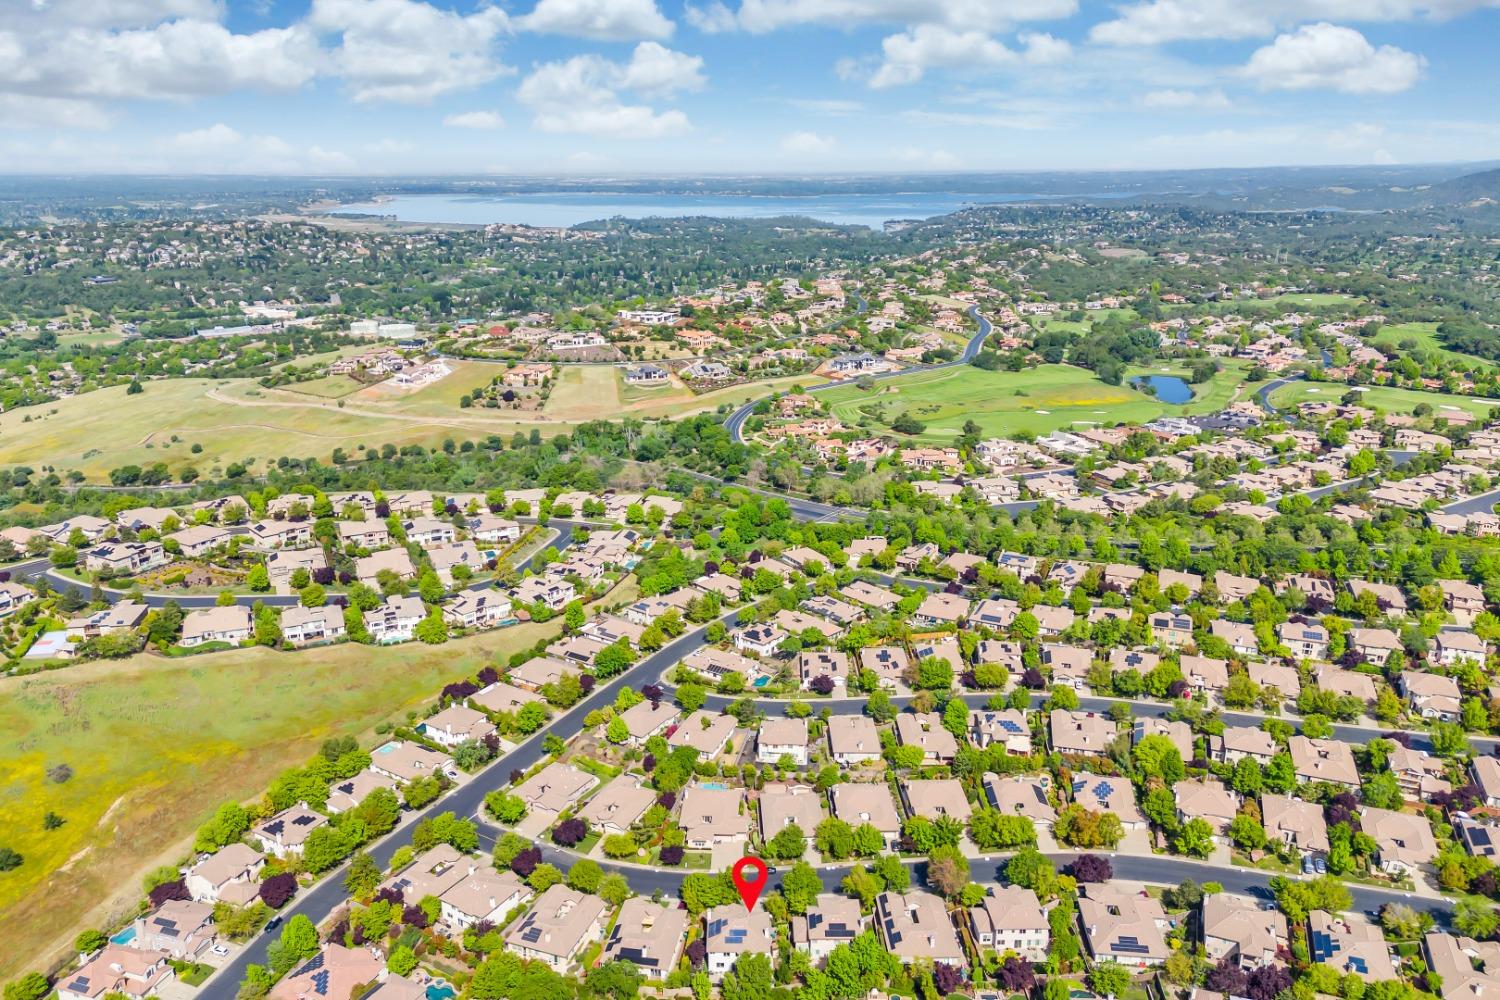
1469,191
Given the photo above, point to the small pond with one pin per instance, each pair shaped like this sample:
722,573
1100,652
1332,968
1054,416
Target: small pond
1167,388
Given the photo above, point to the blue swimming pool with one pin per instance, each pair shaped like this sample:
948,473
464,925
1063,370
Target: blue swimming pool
439,991
761,682
715,786
124,937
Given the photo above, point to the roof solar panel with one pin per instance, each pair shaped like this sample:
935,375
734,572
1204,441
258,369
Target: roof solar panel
320,982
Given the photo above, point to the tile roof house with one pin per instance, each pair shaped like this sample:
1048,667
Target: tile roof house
457,724
1206,799
857,804
1179,733
853,739
1011,919
1432,696
915,925
833,920
1323,760
782,805
1351,944
133,972
1123,927
554,788
1007,727
406,761
1240,928
559,925
1486,772
231,624
710,816
1108,794
706,732
344,794
1293,821
481,896
301,626
618,806
646,719
925,731
935,797
284,833
1020,795
778,738
1081,732
1468,968
1242,741
1404,840
732,931
648,935
179,928
232,875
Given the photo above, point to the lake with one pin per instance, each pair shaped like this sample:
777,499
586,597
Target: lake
567,208
1167,388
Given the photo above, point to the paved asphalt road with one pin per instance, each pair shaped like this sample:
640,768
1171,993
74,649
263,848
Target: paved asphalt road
59,582
1481,504
466,800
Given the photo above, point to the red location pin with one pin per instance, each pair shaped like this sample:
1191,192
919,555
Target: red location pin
749,877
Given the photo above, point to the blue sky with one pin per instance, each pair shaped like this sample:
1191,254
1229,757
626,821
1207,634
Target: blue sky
735,86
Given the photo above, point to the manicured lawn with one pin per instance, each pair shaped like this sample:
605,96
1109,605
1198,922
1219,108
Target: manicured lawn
1040,400
1381,398
156,744
586,393
1306,300
1226,387
1425,334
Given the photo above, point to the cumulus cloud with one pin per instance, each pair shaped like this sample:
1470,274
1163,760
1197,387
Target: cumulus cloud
407,51
808,144
771,15
1330,57
174,60
1156,21
602,20
931,159
582,94
911,53
475,120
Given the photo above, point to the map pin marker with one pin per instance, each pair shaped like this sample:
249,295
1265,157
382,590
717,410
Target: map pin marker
749,877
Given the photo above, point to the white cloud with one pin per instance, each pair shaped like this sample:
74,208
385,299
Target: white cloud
967,15
1329,57
220,148
475,120
24,111
932,159
827,106
176,60
657,71
808,144
602,20
1172,98
407,51
1153,22
582,94
911,53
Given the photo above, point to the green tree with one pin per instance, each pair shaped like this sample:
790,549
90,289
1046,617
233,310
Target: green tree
801,886
1109,979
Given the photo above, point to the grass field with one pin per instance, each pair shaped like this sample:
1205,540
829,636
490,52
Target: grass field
1425,335
1381,398
1208,397
237,420
328,387
1305,300
1040,400
155,745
